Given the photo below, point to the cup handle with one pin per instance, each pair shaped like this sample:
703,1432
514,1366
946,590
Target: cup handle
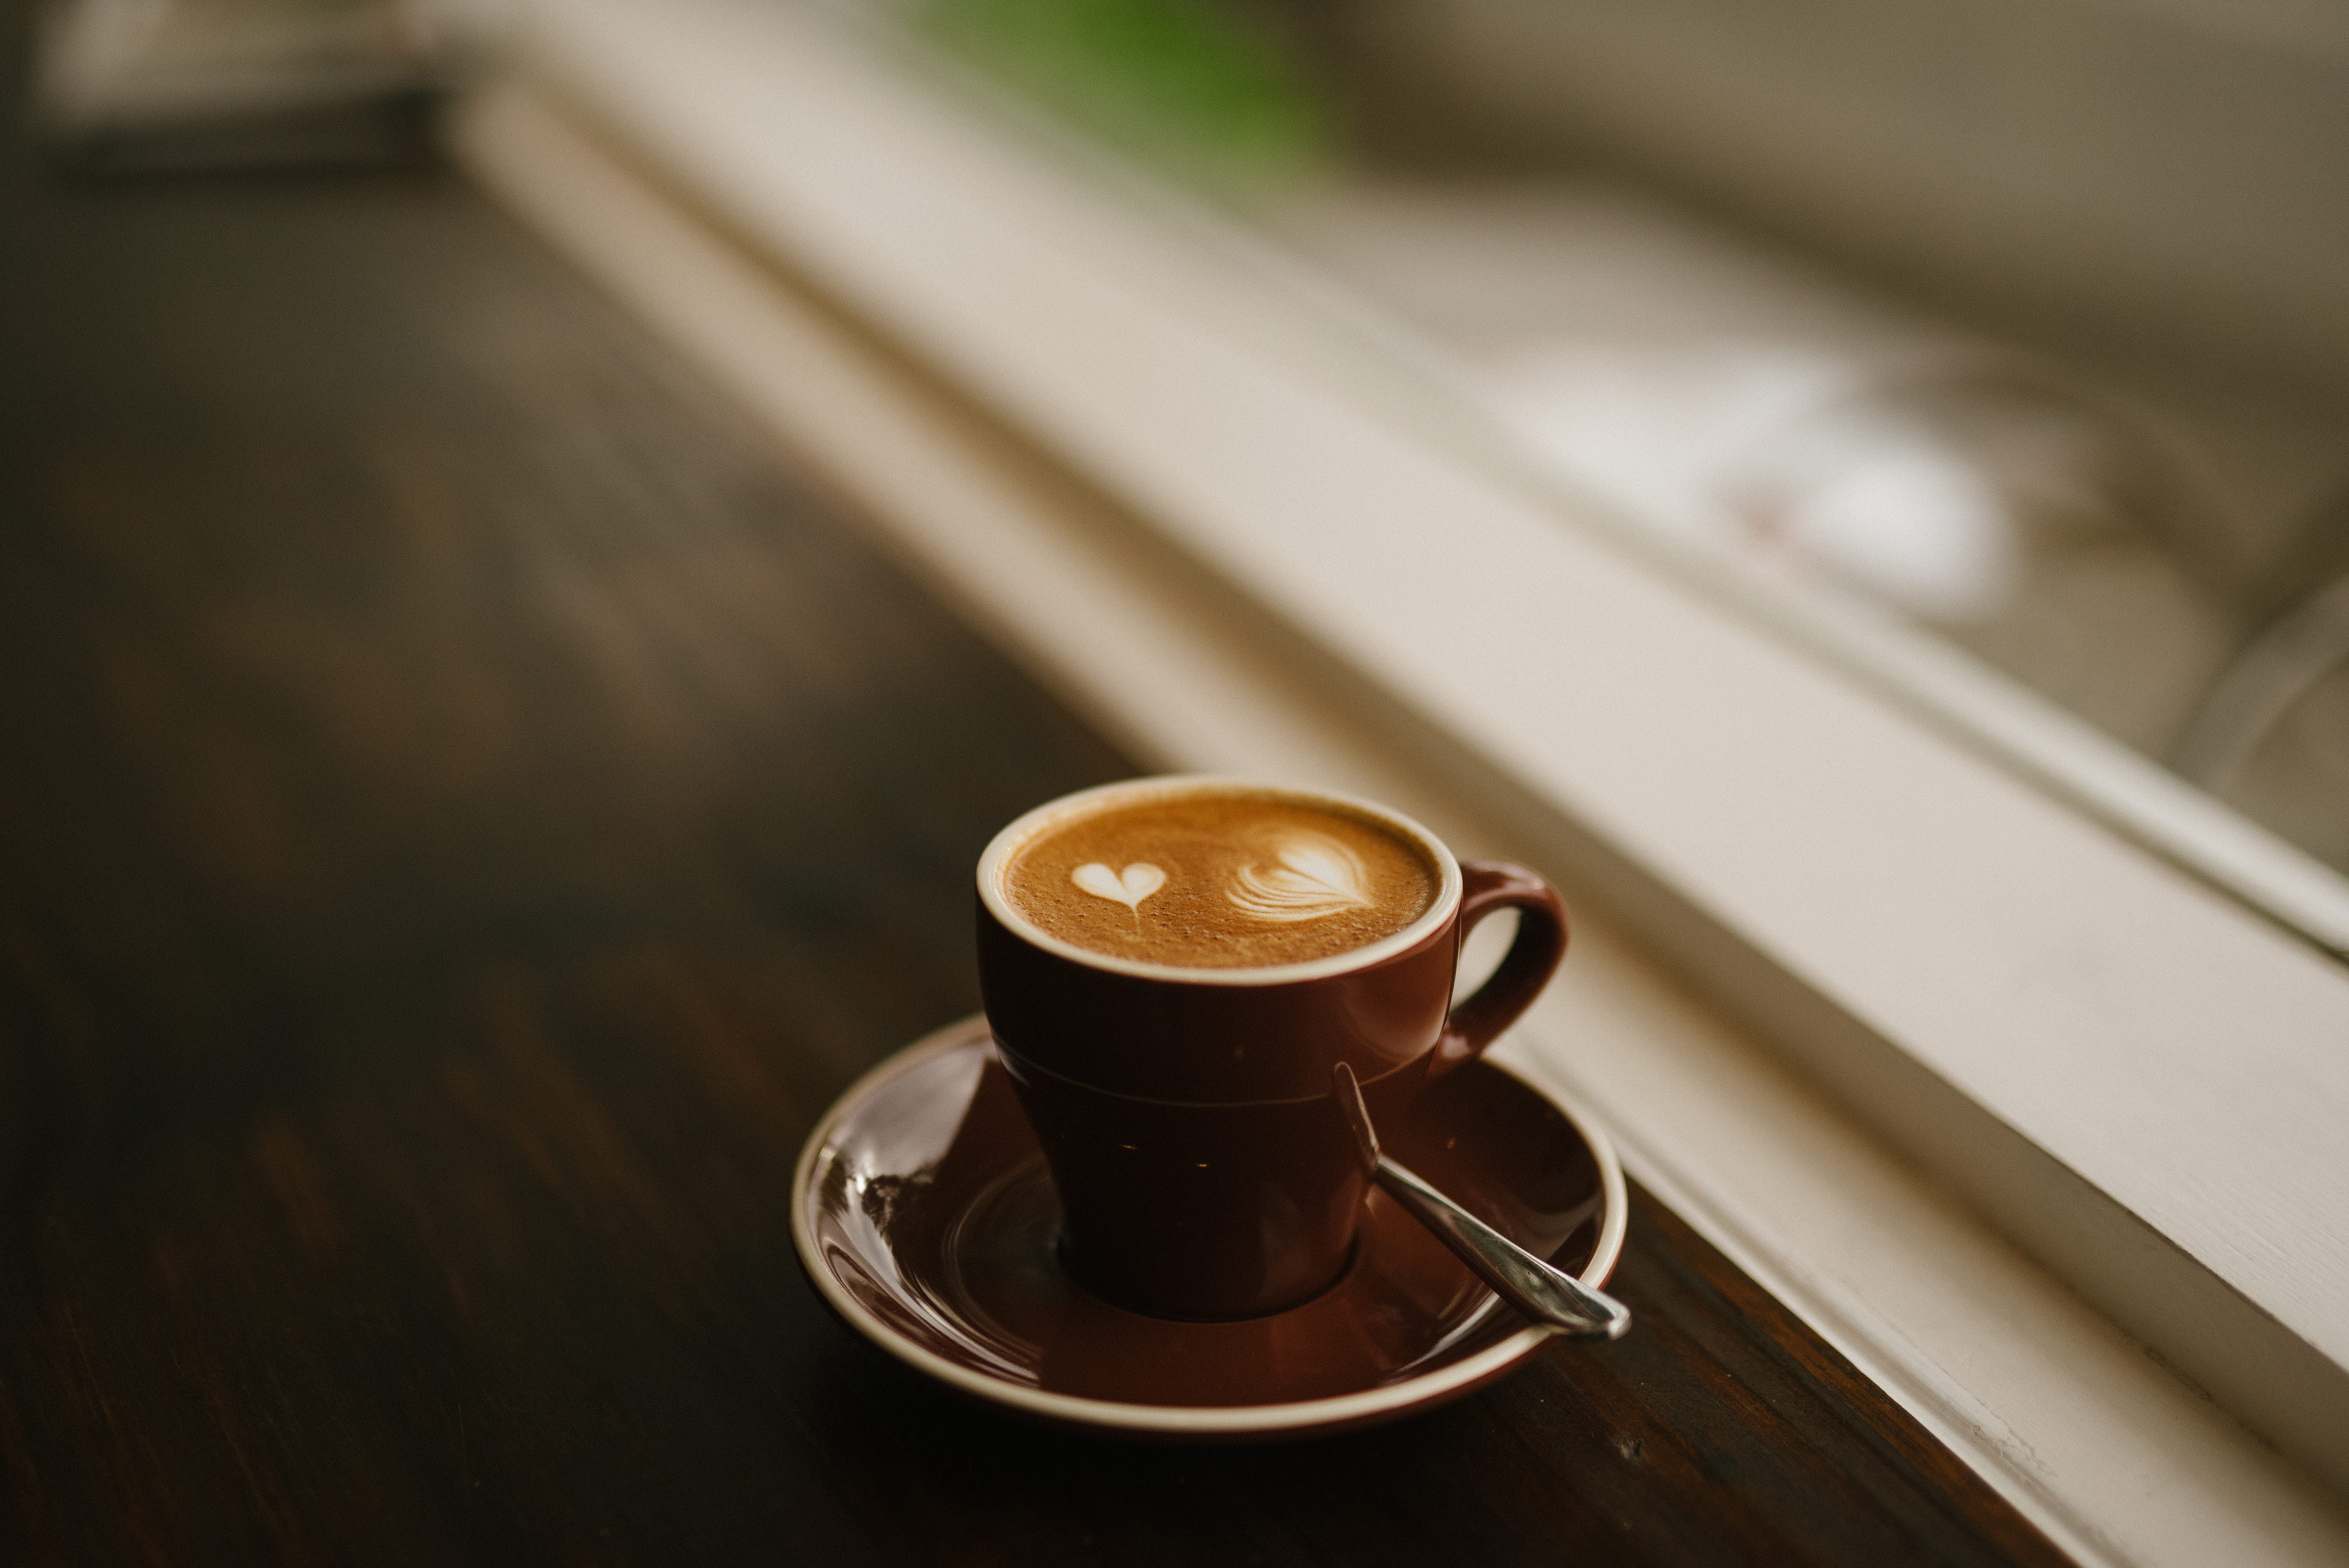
1477,1020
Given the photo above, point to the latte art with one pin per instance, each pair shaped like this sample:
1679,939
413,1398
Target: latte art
1128,887
1315,876
1221,878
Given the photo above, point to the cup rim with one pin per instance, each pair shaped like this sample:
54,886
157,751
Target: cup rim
1025,827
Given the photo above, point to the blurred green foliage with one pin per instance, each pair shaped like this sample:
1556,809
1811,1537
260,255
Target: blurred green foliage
1199,89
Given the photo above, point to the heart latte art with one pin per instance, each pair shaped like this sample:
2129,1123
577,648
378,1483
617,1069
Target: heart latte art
1221,879
1128,887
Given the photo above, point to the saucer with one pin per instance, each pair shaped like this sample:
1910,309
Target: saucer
925,1217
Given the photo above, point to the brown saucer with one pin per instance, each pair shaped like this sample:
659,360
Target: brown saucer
924,1218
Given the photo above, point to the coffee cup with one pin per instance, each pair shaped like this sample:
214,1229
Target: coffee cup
1174,966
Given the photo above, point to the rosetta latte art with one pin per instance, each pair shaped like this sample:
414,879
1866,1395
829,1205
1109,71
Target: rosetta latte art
1314,877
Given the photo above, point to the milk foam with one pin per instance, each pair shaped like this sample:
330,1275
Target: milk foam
1221,879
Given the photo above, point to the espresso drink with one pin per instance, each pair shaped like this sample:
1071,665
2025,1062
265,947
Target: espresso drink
1220,880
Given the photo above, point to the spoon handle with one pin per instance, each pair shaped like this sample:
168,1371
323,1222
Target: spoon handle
1534,1287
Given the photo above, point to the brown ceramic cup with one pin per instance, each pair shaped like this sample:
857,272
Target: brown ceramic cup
1204,1168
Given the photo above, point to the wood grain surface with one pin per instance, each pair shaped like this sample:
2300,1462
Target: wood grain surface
465,810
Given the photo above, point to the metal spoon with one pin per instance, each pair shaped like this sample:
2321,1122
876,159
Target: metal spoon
1542,1293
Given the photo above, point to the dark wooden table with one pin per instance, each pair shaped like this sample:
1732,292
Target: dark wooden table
465,810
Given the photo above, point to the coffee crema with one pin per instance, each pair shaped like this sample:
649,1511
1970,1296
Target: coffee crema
1220,880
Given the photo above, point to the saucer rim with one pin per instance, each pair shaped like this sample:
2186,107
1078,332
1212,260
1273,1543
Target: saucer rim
1335,1410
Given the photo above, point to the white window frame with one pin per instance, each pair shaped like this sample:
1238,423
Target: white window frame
1240,558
